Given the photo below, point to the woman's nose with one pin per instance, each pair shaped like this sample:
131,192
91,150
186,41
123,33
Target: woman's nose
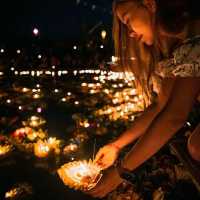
132,34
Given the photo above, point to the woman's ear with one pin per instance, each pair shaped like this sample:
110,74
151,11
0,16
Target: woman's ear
151,5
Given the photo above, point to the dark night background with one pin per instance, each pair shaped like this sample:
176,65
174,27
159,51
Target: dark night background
65,102
56,20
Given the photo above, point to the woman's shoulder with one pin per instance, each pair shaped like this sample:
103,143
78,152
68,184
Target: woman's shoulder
189,40
185,61
188,51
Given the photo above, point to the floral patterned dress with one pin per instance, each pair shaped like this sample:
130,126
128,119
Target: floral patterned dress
185,61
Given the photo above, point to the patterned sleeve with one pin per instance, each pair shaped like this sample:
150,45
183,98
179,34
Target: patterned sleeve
185,61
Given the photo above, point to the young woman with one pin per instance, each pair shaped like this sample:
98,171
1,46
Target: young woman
164,38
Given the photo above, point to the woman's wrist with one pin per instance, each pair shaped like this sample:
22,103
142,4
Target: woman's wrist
118,144
115,145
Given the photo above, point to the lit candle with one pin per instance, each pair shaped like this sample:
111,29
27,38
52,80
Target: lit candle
4,149
70,148
41,149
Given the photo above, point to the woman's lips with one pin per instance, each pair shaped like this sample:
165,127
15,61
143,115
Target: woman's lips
140,38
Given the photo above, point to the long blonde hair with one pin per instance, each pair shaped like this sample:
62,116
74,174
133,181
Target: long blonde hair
146,57
133,56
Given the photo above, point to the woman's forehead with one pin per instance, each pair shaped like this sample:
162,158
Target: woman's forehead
124,8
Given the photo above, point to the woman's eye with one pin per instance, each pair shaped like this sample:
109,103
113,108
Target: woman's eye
126,20
129,27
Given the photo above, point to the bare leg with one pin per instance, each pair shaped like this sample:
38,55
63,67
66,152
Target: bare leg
194,144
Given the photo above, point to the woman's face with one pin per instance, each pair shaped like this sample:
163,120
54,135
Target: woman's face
138,20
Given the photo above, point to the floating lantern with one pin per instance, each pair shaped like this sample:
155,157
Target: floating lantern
22,132
5,149
41,149
36,96
34,121
81,136
28,133
11,194
84,124
5,146
19,191
70,148
54,145
25,90
80,175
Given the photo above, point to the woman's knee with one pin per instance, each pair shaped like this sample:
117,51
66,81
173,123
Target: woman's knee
194,144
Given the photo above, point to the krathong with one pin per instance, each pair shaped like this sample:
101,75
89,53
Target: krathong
43,148
70,148
5,146
28,133
80,175
21,133
34,121
19,191
4,149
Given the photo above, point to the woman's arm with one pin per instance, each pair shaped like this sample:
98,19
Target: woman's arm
167,123
141,124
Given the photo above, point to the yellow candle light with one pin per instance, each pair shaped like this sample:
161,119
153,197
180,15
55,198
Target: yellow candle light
36,96
70,148
54,145
41,149
34,121
4,149
11,194
25,90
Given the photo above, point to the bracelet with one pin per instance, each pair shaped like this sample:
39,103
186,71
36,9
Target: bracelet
115,146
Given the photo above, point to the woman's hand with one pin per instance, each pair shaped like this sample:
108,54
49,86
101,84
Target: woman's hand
107,184
107,155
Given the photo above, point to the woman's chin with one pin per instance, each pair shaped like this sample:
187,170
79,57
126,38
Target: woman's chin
148,42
